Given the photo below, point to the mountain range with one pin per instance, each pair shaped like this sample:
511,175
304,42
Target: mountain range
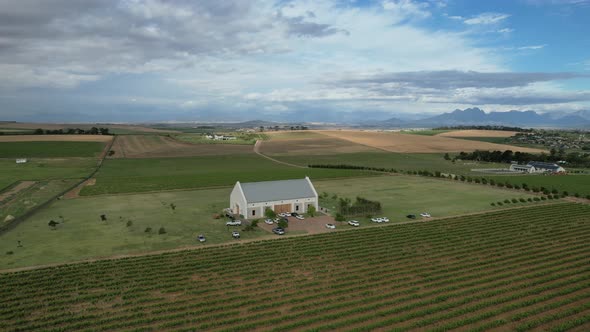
476,116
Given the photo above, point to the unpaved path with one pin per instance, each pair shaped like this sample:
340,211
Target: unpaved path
257,151
75,193
15,190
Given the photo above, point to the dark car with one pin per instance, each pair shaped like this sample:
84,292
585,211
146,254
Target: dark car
294,214
278,231
411,216
201,238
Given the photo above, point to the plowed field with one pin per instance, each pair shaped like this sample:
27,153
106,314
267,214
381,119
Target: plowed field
478,133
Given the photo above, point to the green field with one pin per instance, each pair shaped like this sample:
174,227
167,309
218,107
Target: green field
50,149
515,270
140,175
399,161
403,195
496,140
84,235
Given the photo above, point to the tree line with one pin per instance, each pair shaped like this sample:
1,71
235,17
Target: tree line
508,156
502,128
72,131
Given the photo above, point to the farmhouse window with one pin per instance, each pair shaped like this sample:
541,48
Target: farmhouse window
297,208
253,212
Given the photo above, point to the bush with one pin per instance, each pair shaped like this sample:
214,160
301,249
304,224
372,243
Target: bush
537,199
507,201
148,230
546,191
529,199
517,187
500,184
162,230
492,182
587,196
527,189
536,190
500,203
549,196
477,180
522,200
10,252
508,185
576,195
339,217
484,181
565,194
493,204
514,200
554,191
129,223
543,198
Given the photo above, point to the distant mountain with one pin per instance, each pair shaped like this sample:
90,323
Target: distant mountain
476,116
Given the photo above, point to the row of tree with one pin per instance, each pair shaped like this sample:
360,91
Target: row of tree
573,158
72,131
360,207
503,128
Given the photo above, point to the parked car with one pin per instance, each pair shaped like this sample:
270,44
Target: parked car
330,226
354,223
287,214
411,216
425,214
377,220
201,238
268,221
300,217
385,219
276,220
278,231
294,214
234,223
282,215
235,235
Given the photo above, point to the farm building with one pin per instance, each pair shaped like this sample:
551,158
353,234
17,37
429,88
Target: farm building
537,167
253,198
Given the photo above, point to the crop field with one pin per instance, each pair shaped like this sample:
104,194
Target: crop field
306,145
50,149
518,270
156,146
425,132
398,142
402,195
478,133
152,174
113,128
399,161
194,211
571,183
45,169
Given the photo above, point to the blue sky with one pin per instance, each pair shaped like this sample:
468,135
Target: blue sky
153,60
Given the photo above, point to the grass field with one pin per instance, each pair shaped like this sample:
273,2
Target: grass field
35,195
83,235
400,161
403,195
495,140
424,132
515,270
241,138
50,149
137,175
571,183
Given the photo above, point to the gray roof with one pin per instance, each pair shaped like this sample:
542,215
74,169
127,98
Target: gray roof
257,192
538,164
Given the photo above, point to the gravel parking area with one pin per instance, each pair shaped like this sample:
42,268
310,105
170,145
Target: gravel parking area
313,225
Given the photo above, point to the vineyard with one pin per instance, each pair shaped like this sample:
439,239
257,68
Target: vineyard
521,269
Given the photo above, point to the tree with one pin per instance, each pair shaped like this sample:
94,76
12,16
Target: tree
38,131
173,206
162,230
447,157
53,224
148,230
103,217
283,224
311,210
129,223
269,213
339,217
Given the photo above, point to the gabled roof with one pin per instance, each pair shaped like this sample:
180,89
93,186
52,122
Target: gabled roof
538,164
256,192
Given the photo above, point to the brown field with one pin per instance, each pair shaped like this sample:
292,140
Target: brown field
56,138
55,126
153,146
310,144
15,190
478,133
397,142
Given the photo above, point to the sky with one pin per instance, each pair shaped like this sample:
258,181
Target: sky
276,60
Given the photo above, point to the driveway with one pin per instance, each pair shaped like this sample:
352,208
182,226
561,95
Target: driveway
313,225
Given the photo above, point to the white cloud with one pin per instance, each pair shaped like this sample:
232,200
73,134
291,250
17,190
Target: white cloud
486,19
505,30
407,8
532,47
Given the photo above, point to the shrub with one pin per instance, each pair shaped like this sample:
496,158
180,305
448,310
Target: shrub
493,204
484,181
500,203
543,198
492,182
148,230
529,199
537,199
522,200
514,200
477,180
587,196
500,184
10,252
565,194
507,201
162,230
517,187
554,191
129,223
546,191
527,189
549,196
576,195
535,190
508,185
339,217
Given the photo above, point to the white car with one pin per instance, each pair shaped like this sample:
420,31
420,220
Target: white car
268,221
282,214
385,219
235,235
287,214
330,226
276,220
300,217
234,223
354,223
377,220
425,215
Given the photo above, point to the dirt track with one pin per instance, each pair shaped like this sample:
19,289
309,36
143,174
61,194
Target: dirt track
55,138
16,189
478,133
404,143
153,146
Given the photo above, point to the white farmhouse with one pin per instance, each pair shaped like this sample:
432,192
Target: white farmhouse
253,198
537,167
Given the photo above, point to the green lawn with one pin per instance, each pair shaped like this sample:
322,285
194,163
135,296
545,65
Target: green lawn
140,175
83,235
50,149
399,161
403,195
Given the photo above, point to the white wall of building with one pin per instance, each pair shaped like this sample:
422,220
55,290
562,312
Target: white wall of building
237,200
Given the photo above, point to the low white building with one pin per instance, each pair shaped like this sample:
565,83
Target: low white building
21,161
253,198
537,167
